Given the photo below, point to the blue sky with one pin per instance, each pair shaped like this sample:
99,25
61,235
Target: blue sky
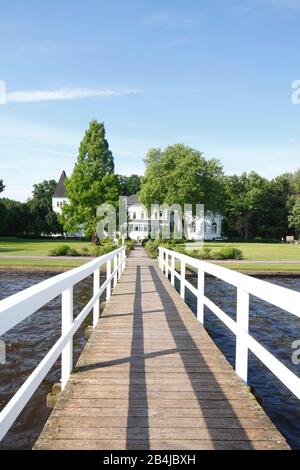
214,74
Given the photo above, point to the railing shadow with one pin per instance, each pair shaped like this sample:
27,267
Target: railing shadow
137,362
171,315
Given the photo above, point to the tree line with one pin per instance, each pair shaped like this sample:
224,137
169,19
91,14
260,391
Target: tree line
252,206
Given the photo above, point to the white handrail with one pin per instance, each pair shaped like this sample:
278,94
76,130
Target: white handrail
17,307
278,296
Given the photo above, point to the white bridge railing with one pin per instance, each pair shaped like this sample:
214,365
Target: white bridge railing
278,296
19,306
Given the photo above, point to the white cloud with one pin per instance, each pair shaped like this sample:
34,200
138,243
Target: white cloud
65,94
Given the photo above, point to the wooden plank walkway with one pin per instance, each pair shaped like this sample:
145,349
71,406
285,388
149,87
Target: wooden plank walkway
150,377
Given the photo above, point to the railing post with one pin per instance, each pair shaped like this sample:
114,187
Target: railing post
120,267
242,319
163,256
66,322
96,287
182,279
108,274
200,289
172,270
115,270
123,255
167,265
159,258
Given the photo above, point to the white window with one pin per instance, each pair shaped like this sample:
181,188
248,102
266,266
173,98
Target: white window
142,215
57,204
134,215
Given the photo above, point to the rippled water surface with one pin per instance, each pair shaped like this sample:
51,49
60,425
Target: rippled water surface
29,341
276,330
26,344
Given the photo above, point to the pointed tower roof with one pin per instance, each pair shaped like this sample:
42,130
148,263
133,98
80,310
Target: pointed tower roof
60,190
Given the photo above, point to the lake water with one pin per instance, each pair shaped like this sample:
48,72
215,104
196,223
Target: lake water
276,330
29,341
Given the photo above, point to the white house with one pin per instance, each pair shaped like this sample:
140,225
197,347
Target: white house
139,224
59,198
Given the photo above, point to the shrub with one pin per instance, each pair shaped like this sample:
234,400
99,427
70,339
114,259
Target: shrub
204,253
73,252
85,251
152,248
62,250
229,253
129,246
101,250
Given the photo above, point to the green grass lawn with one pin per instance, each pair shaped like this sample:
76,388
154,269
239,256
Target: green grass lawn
18,246
258,251
49,263
268,268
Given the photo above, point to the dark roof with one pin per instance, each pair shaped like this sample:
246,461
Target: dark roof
60,190
133,199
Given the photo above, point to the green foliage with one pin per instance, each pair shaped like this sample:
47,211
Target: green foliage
102,249
91,183
43,218
63,250
151,247
204,253
2,187
15,218
229,253
85,251
129,184
129,246
294,217
180,174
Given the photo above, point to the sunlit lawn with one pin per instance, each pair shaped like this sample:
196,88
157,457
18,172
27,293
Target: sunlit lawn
258,251
22,247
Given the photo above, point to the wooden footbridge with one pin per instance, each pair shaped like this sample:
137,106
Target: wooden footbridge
149,376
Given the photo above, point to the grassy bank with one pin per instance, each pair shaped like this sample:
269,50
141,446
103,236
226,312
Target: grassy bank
23,247
63,263
264,268
257,251
12,250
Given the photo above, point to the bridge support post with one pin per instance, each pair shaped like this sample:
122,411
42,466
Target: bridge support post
200,289
242,319
96,287
66,322
108,274
182,280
